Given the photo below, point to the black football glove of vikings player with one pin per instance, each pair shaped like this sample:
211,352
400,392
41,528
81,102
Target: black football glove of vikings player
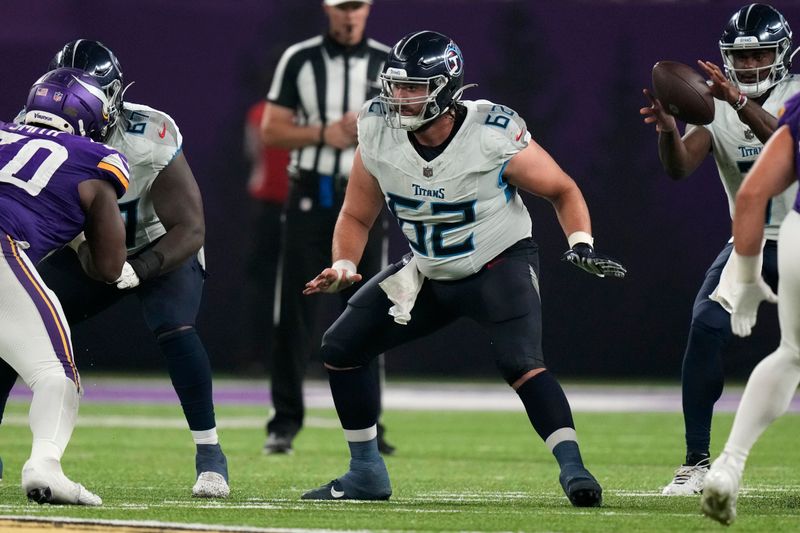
583,256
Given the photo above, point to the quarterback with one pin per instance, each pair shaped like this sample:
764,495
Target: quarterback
756,47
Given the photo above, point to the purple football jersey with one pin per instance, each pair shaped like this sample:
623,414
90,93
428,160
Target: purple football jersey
40,170
790,115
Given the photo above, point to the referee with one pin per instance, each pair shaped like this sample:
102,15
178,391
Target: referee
319,86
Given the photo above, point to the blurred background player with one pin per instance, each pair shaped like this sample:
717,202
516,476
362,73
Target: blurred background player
267,186
318,87
774,380
756,48
54,182
436,161
163,213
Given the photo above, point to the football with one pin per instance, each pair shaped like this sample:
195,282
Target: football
683,92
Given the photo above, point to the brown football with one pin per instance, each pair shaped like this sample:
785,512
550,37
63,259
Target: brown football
683,92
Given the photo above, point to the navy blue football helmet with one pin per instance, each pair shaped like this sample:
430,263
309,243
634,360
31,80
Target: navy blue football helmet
757,27
423,59
99,61
70,100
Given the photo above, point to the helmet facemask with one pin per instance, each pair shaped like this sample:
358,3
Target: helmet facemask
394,80
777,70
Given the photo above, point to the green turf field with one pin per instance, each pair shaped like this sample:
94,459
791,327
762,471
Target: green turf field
454,471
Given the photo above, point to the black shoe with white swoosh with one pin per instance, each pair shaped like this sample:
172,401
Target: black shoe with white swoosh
335,491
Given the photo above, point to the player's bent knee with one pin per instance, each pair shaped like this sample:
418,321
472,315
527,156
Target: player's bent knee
336,356
525,377
48,375
516,368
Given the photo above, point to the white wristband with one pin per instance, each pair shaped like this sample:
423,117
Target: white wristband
746,267
580,236
344,264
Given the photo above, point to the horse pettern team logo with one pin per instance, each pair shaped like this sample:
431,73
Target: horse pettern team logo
453,59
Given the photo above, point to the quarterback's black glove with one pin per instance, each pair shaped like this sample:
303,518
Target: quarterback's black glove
583,256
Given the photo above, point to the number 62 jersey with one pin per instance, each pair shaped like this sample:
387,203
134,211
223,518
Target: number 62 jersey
457,211
40,170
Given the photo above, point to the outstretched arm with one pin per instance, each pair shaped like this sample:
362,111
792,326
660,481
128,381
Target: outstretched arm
362,205
535,171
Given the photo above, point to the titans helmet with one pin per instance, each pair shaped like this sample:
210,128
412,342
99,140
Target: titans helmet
757,27
100,62
70,100
428,68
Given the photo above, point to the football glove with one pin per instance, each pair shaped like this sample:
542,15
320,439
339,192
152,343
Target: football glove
745,299
128,279
583,256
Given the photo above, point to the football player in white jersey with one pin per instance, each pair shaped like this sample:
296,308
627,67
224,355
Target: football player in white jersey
756,48
165,230
449,171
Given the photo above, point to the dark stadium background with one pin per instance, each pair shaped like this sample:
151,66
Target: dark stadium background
573,69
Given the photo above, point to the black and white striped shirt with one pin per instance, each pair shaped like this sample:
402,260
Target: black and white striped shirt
321,80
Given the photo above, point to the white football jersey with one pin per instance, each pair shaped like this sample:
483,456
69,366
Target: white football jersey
735,148
456,211
150,140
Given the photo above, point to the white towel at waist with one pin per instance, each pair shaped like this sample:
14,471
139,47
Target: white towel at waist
402,289
722,294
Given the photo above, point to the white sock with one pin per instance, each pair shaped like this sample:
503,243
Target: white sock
52,416
361,435
767,396
208,436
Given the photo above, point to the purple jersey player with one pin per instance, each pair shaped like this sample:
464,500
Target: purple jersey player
55,182
38,184
774,380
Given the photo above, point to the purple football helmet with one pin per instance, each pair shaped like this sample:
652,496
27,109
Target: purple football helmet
70,100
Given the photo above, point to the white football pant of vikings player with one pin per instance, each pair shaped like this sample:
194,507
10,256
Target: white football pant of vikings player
769,389
35,341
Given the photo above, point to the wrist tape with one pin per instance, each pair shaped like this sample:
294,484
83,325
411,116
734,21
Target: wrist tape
147,264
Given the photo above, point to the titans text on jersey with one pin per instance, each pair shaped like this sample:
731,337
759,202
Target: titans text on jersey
456,211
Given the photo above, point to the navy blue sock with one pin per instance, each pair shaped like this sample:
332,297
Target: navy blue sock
190,372
546,405
702,383
356,394
364,453
209,458
567,453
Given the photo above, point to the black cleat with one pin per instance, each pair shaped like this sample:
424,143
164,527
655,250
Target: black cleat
278,443
40,495
335,491
581,487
